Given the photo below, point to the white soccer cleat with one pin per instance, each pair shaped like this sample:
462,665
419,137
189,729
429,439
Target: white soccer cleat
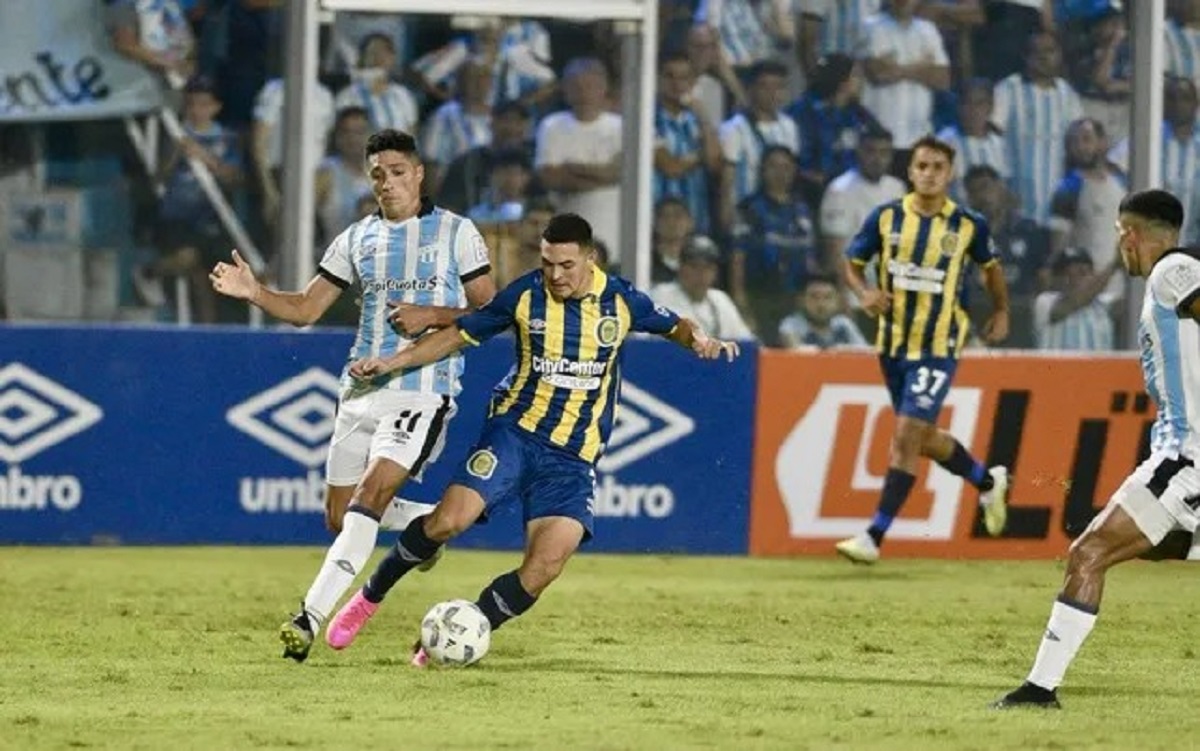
995,502
859,549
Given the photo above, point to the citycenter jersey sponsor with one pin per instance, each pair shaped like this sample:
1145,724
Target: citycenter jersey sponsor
570,374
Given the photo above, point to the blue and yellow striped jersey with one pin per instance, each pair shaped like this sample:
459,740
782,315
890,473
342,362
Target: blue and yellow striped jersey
564,386
923,261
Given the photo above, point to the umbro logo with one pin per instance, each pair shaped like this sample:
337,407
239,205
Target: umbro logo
295,417
37,413
1051,636
644,424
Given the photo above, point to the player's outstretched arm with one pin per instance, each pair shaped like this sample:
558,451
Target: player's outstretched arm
689,334
428,349
237,280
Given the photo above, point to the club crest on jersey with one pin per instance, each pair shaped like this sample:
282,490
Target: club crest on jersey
949,243
608,330
482,464
537,326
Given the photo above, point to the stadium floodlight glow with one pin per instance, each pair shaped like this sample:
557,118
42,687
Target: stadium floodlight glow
590,10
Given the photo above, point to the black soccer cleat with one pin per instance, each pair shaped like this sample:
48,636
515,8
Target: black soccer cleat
1029,695
297,636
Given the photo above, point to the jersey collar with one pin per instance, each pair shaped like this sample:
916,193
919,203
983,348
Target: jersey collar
947,208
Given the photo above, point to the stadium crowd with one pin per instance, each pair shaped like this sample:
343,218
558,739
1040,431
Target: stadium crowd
779,125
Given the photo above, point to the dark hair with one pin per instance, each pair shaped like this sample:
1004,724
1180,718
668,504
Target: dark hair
818,279
935,143
365,41
831,71
569,228
765,68
1154,205
512,157
875,132
673,56
981,170
345,113
976,84
539,203
389,139
510,107
200,84
671,200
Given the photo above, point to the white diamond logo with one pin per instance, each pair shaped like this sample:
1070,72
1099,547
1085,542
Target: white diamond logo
294,417
644,424
37,413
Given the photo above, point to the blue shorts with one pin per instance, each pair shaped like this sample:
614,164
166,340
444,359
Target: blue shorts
508,463
918,387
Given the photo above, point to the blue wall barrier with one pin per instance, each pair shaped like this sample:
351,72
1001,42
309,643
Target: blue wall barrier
163,436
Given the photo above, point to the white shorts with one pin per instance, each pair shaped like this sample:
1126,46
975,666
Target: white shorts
1160,496
406,427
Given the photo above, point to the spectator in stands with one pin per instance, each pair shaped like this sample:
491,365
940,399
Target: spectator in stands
1022,245
905,63
817,320
516,51
1073,316
956,20
1088,197
459,125
1102,69
1033,111
673,225
341,179
774,246
466,180
829,116
191,238
976,139
1000,44
242,53
518,250
828,27
715,80
347,32
745,38
156,35
579,150
852,196
692,295
387,104
266,145
1183,38
746,135
509,192
686,150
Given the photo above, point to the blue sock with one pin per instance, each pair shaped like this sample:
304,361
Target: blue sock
412,549
504,599
897,484
967,467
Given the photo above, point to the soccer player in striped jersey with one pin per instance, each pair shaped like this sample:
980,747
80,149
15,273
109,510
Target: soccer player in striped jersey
925,243
419,267
550,418
1161,497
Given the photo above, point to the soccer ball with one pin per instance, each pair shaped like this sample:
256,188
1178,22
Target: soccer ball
455,633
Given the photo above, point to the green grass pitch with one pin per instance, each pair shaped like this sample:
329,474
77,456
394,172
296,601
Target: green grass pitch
160,648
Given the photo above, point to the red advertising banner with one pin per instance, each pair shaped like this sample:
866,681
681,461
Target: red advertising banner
1069,429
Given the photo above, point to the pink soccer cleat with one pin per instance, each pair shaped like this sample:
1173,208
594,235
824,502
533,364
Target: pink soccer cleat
419,658
349,621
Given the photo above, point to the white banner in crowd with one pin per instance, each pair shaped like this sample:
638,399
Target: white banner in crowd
57,63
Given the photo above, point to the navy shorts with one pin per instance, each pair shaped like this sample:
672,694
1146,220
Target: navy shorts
508,463
918,387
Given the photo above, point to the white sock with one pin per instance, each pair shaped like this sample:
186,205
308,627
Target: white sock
400,513
346,557
1065,633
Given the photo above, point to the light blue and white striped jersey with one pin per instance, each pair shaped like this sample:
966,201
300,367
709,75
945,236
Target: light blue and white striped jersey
1180,172
973,151
1170,351
682,134
452,132
1183,50
743,38
1034,120
743,142
841,21
424,260
522,65
1088,329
